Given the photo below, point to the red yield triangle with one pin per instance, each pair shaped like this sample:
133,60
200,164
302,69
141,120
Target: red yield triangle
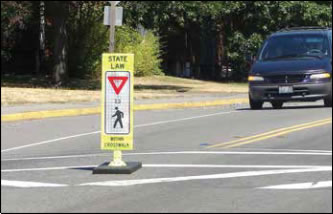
114,86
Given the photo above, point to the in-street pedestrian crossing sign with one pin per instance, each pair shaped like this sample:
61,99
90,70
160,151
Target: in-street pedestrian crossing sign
117,102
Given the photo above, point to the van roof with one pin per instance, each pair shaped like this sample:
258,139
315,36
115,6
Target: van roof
306,30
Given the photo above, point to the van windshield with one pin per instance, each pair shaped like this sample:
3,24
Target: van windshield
295,46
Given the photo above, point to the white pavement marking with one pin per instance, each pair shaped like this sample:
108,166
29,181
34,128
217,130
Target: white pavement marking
27,184
232,166
177,166
46,169
231,153
96,132
316,185
49,141
286,150
304,152
118,183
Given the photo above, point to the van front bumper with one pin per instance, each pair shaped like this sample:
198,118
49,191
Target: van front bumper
301,92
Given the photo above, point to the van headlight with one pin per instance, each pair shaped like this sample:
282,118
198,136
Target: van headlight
320,76
255,79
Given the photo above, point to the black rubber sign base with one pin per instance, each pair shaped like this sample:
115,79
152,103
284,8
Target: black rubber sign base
128,169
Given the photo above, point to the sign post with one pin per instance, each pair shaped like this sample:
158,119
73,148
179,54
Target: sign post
117,112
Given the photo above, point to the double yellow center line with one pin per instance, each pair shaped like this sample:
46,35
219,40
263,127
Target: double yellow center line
272,134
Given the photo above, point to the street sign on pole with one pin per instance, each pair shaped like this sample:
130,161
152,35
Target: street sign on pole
119,16
117,112
106,20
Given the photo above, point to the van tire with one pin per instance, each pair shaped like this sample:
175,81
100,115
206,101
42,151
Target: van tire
328,101
256,105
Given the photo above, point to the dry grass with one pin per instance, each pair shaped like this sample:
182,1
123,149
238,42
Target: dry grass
13,96
145,88
194,86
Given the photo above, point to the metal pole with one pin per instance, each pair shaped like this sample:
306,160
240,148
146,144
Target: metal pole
112,26
117,159
117,154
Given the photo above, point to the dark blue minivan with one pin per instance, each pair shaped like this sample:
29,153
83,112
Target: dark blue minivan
293,64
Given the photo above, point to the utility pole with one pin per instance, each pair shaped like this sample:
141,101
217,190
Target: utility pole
112,26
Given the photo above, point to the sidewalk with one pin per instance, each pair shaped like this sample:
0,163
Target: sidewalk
38,111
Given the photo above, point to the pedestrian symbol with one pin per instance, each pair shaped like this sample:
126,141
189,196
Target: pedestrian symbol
117,102
119,116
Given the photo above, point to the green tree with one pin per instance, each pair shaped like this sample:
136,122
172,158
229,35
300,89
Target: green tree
145,47
15,16
88,39
217,33
238,27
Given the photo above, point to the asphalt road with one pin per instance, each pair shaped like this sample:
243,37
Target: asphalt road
194,160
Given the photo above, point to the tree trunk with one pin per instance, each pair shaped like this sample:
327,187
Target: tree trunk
220,49
59,13
40,52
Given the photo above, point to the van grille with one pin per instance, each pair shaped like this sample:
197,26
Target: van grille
286,78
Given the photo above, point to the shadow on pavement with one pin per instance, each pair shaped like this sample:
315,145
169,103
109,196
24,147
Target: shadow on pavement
161,87
84,168
285,108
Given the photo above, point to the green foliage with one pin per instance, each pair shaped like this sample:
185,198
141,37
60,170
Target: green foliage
146,49
88,39
243,24
226,30
238,47
15,15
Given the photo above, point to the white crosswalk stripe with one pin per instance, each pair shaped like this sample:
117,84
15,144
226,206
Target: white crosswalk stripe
28,184
309,185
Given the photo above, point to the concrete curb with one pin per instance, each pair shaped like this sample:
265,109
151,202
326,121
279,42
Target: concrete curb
97,110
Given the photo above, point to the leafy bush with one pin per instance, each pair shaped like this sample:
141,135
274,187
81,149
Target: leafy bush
238,48
146,50
87,41
15,16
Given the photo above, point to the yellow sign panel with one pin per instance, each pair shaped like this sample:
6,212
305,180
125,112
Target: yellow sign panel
117,101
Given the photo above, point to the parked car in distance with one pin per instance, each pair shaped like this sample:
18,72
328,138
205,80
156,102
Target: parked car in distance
293,64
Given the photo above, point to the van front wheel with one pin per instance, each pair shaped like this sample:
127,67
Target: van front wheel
328,101
256,105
